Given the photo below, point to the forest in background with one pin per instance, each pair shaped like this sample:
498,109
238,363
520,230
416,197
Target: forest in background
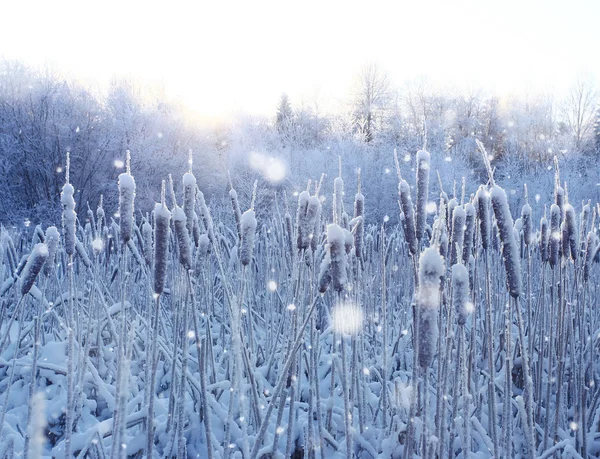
43,115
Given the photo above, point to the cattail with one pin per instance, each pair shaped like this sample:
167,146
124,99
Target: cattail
182,236
349,241
431,270
196,229
423,159
32,268
302,227
483,214
544,239
583,223
559,196
338,203
126,197
80,249
189,200
203,246
162,216
100,217
52,238
565,248
324,274
451,206
526,223
469,232
571,230
68,214
555,235
206,217
237,213
589,253
359,210
460,292
289,227
458,233
510,250
316,234
409,217
147,243
337,255
91,220
444,244
248,231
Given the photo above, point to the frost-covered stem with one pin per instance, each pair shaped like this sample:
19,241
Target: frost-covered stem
507,416
152,382
489,330
291,408
408,450
70,359
456,388
176,325
561,350
33,384
554,307
182,391
315,373
347,407
425,393
384,368
528,393
281,381
203,354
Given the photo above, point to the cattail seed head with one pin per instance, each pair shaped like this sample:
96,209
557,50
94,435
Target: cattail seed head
510,250
469,232
32,268
431,270
544,239
182,236
126,197
336,241
555,235
458,233
162,217
409,217
483,214
527,224
81,252
248,232
460,292
147,242
338,200
237,213
423,159
68,217
52,239
189,200
324,274
588,255
571,229
359,233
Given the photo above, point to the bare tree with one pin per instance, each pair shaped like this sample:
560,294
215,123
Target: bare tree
371,98
578,109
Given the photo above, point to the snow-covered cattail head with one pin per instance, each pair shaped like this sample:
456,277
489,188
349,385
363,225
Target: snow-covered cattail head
336,241
126,197
338,200
423,159
555,235
206,217
248,232
189,199
324,274
81,252
589,253
458,233
409,217
68,213
460,292
32,268
237,213
431,270
183,237
100,217
162,216
469,232
52,238
147,243
544,239
571,229
510,249
359,210
527,223
483,214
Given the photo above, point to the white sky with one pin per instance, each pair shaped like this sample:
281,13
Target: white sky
227,56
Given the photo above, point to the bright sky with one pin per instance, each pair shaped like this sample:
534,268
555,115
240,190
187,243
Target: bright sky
224,56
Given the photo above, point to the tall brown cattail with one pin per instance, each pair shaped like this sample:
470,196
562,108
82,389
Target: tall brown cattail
409,218
510,250
52,239
189,199
527,224
359,210
126,197
338,200
68,212
458,233
544,239
324,279
100,217
423,159
555,235
431,270
469,232
237,213
483,214
460,292
571,229
248,231
182,236
336,241
32,268
162,216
